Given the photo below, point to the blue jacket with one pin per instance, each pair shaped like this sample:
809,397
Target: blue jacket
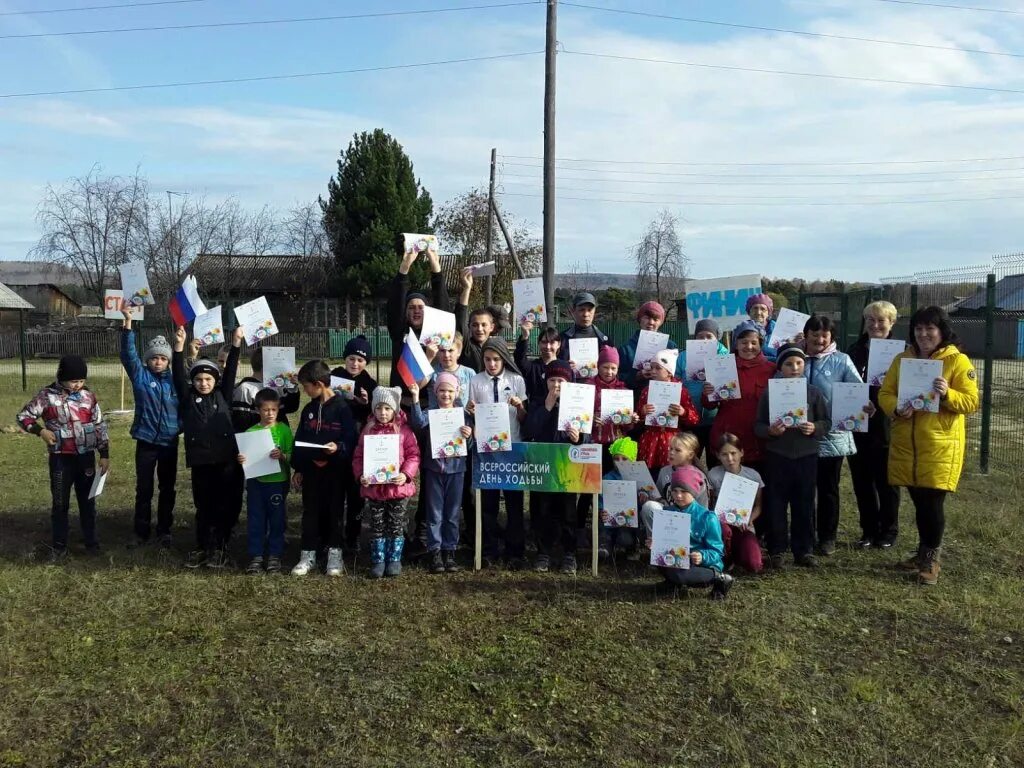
696,388
419,421
627,354
823,372
705,535
156,401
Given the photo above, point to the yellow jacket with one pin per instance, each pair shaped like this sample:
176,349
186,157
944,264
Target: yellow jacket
927,450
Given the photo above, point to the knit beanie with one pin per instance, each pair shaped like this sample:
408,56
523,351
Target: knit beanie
666,359
157,347
444,377
748,326
558,369
707,324
204,366
688,478
652,308
625,447
388,396
415,295
72,368
791,350
608,354
358,345
761,298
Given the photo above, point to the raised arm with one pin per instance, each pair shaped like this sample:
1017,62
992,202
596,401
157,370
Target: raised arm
129,355
227,381
178,373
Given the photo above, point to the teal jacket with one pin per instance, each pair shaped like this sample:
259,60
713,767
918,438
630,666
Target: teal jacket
627,354
705,535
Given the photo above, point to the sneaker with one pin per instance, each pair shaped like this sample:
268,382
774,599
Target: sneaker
635,554
217,560
273,564
307,563
196,558
335,564
436,562
864,542
721,586
886,542
603,552
451,566
776,562
58,556
255,566
827,548
806,561
568,566
542,564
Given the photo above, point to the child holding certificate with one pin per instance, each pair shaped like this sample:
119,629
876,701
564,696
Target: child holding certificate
741,546
616,537
655,440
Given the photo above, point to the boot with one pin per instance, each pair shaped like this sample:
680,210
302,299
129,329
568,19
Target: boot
377,558
394,556
720,586
928,573
912,563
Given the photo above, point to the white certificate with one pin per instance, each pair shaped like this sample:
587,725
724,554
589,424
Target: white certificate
881,353
438,328
788,325
112,300
720,372
648,345
617,406
135,284
583,357
256,447
344,387
99,482
787,401
483,269
528,300
576,407
638,472
421,245
446,440
916,389
850,403
662,394
257,320
208,328
698,352
279,367
380,458
618,499
493,427
735,503
670,539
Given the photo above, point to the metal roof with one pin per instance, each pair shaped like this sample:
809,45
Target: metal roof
10,300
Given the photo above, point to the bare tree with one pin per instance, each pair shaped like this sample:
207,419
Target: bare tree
661,265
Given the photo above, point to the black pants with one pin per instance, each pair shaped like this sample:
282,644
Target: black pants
236,496
162,459
555,523
212,491
929,509
323,509
515,533
829,469
877,501
387,518
353,507
75,471
790,483
694,576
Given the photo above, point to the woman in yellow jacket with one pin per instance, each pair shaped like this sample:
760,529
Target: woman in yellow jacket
927,449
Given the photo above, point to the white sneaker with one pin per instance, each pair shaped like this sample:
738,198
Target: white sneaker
335,564
307,563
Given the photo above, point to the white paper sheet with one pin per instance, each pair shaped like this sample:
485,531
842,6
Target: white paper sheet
698,352
112,307
617,406
99,482
208,327
662,394
493,427
576,407
916,388
583,357
279,368
881,353
135,284
421,245
619,501
438,328
344,387
257,320
648,345
788,325
256,447
850,402
720,372
446,440
528,300
638,472
787,401
380,458
735,503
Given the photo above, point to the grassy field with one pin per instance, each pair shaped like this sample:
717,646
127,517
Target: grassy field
129,660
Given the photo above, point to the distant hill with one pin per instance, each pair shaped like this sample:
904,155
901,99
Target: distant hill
597,281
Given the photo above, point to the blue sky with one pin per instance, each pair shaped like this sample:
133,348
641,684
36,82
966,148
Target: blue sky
277,142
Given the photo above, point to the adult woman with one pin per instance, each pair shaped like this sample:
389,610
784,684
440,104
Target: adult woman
827,366
927,450
877,501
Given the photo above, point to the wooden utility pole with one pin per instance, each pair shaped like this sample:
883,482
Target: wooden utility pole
490,210
549,156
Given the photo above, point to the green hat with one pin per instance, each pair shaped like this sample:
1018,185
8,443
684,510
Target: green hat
624,446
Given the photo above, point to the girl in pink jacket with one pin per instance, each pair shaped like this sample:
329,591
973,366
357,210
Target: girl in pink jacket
386,487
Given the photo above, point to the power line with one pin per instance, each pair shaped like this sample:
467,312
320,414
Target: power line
951,7
793,163
773,183
265,78
769,203
267,22
678,174
759,70
99,7
802,32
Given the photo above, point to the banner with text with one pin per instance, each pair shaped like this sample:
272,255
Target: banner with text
550,467
723,299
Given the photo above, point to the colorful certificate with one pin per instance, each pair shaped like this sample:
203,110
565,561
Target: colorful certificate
446,440
648,345
528,300
420,244
380,458
112,307
617,406
135,284
850,404
257,320
438,328
881,353
787,402
698,352
256,447
576,407
916,389
638,472
670,539
493,427
279,369
720,372
344,387
619,501
208,328
788,326
583,357
662,394
735,502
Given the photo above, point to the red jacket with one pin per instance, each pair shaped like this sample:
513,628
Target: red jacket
738,416
609,432
653,444
408,459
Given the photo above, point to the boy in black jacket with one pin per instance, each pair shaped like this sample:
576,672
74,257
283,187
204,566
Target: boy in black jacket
318,472
204,397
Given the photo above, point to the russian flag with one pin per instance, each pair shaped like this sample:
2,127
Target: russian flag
186,304
413,365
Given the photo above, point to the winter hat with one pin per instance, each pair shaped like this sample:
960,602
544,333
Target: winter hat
444,377
157,347
608,354
498,344
625,447
72,368
746,327
388,396
791,350
761,298
500,315
707,324
358,345
204,366
666,359
652,308
688,478
558,369
415,295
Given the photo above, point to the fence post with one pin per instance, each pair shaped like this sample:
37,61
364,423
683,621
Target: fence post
986,392
844,317
913,298
21,344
